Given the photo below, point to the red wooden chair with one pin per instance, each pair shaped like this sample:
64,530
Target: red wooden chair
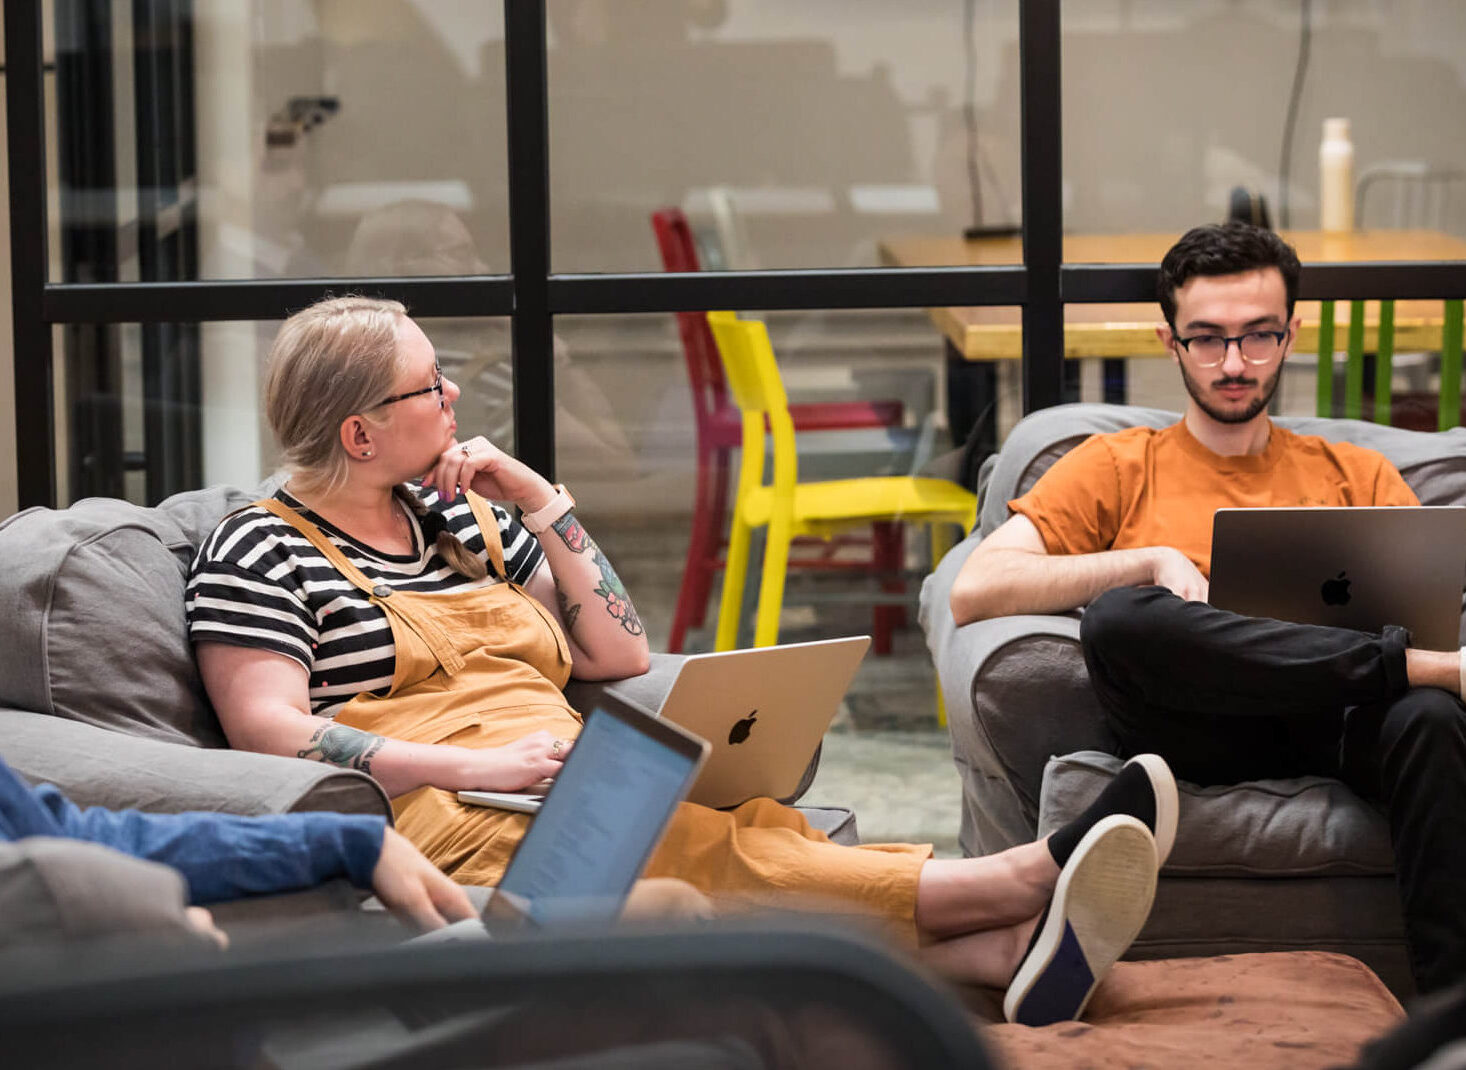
720,429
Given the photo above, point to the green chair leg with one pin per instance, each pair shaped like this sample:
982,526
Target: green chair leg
1324,397
1384,363
1354,369
1450,403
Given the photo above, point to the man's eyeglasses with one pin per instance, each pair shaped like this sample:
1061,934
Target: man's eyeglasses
1209,350
437,386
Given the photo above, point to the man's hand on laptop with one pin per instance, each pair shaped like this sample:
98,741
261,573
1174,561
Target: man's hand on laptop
1174,571
414,889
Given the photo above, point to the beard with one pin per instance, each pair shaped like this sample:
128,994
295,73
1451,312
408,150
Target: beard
1239,416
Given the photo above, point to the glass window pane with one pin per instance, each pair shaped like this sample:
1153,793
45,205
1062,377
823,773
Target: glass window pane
278,138
791,135
146,410
1173,109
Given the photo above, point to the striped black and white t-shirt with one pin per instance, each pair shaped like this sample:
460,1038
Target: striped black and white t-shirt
257,582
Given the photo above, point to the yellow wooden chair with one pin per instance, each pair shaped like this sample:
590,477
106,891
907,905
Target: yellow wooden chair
789,508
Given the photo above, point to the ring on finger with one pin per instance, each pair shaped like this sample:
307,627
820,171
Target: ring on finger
557,748
463,449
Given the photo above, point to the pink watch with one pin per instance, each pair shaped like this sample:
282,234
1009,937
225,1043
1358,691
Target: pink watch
542,518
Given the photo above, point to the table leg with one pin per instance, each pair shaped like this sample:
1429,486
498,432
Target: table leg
1114,379
972,400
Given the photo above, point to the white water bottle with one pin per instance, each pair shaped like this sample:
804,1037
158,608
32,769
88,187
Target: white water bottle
1336,177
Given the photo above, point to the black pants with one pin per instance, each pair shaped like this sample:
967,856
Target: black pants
1225,698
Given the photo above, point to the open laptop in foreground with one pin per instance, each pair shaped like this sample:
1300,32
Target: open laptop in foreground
1359,567
598,824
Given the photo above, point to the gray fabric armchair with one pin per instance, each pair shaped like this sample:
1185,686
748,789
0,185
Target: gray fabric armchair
100,696
1266,865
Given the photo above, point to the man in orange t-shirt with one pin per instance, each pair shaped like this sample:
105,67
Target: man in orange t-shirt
1121,525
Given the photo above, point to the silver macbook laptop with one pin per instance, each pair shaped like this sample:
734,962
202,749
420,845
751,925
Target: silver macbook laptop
1358,567
599,822
764,711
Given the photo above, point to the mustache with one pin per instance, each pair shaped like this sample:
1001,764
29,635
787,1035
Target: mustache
1234,380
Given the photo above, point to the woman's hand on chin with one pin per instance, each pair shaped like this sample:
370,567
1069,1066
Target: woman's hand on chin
490,472
515,766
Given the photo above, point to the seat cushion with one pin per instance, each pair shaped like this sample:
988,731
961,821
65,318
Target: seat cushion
91,614
1300,827
1298,1009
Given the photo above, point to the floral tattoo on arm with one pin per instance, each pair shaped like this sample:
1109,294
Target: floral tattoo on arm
339,745
618,602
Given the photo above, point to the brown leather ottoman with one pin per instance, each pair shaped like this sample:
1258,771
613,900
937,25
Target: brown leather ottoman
1294,1009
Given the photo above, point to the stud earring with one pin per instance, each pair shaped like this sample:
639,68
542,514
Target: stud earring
365,454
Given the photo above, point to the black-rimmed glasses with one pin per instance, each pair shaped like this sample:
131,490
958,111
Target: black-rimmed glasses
437,386
1209,350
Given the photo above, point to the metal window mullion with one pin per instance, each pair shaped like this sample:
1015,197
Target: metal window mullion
221,300
1043,202
787,289
531,328
35,429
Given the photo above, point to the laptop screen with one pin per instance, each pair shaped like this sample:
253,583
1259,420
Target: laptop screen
599,823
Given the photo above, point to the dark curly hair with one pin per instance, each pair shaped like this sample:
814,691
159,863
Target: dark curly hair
1224,249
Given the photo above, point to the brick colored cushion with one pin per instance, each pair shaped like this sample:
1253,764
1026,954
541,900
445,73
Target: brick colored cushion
1299,1010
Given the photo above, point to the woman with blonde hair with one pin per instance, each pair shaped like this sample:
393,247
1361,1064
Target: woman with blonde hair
379,613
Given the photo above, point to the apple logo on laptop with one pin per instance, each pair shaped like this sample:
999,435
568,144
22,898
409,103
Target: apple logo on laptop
1335,592
741,728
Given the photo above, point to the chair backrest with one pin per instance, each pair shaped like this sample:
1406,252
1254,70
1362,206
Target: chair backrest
758,391
1433,463
1411,193
727,996
699,352
733,243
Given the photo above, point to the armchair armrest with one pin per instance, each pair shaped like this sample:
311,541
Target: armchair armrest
1016,692
643,693
97,767
55,891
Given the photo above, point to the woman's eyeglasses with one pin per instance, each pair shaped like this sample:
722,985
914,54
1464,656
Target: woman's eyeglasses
437,386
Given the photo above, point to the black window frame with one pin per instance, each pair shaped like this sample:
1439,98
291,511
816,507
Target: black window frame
531,295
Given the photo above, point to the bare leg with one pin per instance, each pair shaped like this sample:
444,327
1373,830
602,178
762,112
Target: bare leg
985,958
968,894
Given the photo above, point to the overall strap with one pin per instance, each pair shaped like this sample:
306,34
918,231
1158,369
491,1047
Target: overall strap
488,526
380,595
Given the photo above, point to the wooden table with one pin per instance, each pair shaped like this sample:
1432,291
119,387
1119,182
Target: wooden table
1115,331
1128,330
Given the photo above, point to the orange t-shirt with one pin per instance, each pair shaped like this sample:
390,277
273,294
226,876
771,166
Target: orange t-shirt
1148,487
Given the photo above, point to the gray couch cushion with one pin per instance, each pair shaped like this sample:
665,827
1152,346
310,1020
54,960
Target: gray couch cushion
98,767
93,614
1299,827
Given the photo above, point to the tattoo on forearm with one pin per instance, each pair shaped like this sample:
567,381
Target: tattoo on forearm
340,745
618,602
568,610
572,534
